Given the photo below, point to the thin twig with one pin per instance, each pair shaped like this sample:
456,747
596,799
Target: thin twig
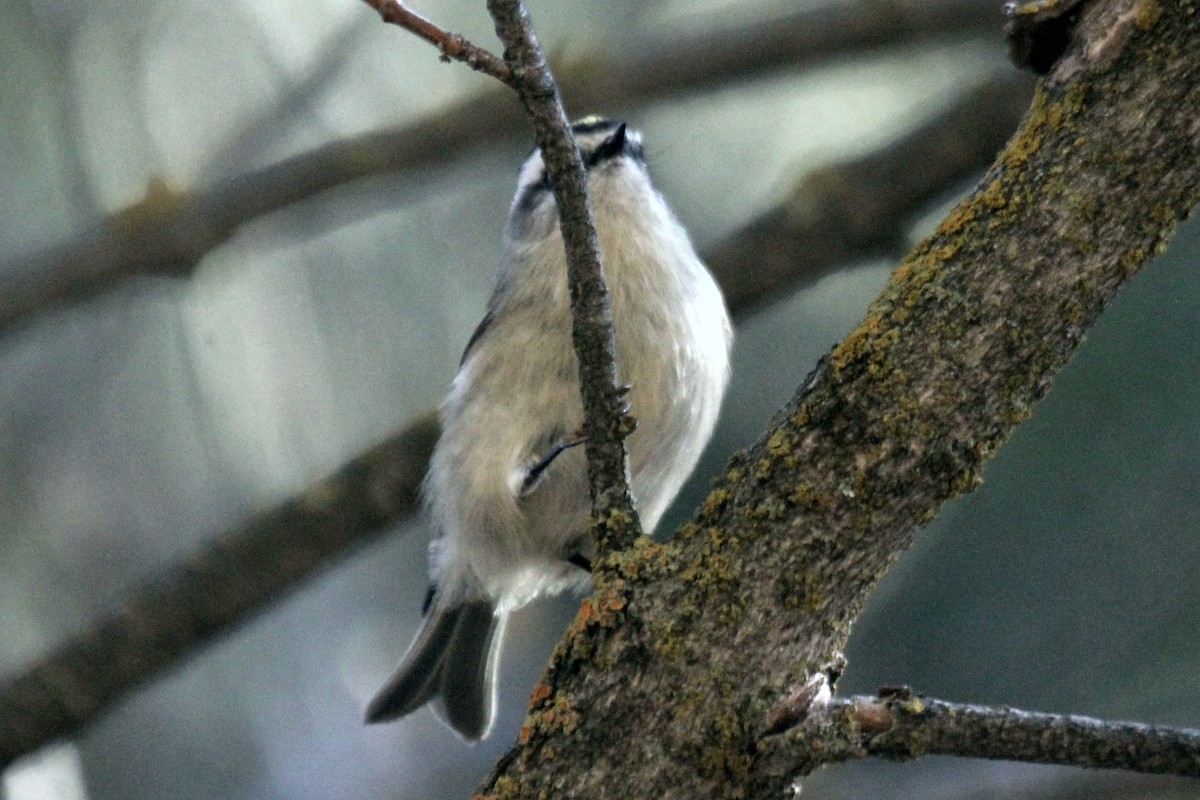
450,45
614,517
900,726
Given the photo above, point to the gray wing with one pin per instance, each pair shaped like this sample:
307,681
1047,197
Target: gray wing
479,330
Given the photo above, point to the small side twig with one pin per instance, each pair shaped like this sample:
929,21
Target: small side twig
616,521
900,726
450,45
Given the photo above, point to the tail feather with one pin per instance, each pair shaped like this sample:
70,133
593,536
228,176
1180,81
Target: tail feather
452,662
468,683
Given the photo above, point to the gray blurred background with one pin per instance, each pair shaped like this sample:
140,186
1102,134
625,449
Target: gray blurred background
136,425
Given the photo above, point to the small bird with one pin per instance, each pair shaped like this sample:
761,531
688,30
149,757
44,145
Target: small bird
507,486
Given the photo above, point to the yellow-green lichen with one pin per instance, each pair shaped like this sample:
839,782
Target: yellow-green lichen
801,592
964,481
644,560
1133,259
855,345
807,497
1147,15
730,763
617,519
667,645
763,469
715,559
1001,197
718,748
780,443
714,504
708,574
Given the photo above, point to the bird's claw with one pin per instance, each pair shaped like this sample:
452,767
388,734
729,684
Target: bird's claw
626,422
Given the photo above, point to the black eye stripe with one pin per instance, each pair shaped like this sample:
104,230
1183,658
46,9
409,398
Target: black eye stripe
630,149
532,192
616,144
593,125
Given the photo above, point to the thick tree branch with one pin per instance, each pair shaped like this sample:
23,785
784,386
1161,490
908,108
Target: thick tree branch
169,231
450,45
900,726
711,629
279,549
615,521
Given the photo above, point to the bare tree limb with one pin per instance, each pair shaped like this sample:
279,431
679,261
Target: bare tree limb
169,231
450,45
615,521
276,551
711,629
900,726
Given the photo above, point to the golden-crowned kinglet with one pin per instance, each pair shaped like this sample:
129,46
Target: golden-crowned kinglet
507,488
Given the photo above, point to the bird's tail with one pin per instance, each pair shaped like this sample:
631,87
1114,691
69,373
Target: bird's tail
452,663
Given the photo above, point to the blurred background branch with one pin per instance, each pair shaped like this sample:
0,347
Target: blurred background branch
170,229
202,596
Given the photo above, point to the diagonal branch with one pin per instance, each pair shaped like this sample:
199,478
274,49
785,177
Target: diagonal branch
615,520
900,726
279,549
169,231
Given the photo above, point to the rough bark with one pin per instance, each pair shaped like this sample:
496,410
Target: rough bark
673,667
